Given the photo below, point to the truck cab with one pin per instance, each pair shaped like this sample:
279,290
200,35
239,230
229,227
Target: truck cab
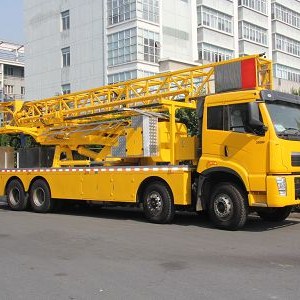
250,155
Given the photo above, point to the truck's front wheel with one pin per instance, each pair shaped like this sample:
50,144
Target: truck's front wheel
228,207
276,214
158,203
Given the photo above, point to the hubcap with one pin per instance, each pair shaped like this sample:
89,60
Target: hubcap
154,203
38,197
223,206
14,196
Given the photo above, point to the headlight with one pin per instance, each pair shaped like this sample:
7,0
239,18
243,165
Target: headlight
281,185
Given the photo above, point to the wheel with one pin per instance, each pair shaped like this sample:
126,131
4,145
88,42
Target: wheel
16,197
40,197
158,203
275,214
228,207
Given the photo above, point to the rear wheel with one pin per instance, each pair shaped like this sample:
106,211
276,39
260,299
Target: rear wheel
16,197
228,207
158,203
275,214
40,197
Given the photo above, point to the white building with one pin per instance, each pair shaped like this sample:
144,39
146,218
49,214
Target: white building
75,45
11,71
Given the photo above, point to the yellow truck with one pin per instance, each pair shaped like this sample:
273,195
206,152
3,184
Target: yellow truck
245,157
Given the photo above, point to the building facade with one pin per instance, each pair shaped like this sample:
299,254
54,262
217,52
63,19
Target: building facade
76,45
12,85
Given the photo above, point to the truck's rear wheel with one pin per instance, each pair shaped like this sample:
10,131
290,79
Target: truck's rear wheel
40,197
16,197
275,214
228,207
158,203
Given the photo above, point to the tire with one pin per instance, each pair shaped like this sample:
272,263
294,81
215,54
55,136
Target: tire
228,207
16,196
158,203
276,214
40,197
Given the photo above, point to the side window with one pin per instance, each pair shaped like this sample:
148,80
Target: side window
215,119
238,118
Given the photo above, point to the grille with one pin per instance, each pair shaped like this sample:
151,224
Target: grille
297,188
295,159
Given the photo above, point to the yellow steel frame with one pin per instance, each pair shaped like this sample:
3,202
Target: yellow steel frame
55,120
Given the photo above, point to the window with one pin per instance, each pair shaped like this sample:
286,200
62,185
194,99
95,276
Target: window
148,45
286,44
120,11
253,33
148,10
213,53
22,90
65,20
215,118
118,77
66,88
8,70
8,89
286,15
287,73
258,5
65,56
132,44
122,47
214,19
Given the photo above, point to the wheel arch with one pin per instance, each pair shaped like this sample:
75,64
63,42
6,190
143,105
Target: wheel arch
213,176
146,182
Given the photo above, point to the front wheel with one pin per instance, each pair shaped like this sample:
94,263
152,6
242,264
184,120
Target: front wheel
275,214
228,207
40,197
158,203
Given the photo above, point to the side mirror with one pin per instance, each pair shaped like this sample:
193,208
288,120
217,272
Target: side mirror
254,121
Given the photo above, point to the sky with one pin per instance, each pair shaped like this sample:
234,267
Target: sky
11,21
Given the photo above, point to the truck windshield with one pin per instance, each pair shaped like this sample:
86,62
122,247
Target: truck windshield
286,119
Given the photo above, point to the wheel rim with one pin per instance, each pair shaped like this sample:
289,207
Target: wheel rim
38,196
223,206
154,203
14,196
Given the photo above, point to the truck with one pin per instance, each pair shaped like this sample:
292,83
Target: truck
124,144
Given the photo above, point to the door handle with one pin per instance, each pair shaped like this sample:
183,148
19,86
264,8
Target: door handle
226,151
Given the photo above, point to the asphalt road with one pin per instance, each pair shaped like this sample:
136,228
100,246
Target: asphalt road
116,254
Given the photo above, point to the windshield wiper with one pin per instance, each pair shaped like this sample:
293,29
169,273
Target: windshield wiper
289,131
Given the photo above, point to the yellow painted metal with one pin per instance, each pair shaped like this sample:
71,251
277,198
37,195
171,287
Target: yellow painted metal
99,116
105,184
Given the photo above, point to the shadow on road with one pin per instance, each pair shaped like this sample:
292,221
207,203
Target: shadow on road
254,223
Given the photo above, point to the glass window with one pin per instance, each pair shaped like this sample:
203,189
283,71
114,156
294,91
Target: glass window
215,117
258,5
65,56
22,90
66,88
286,15
149,45
286,44
253,33
8,89
65,20
214,19
122,47
213,53
8,70
287,73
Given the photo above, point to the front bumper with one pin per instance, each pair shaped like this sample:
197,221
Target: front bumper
292,195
